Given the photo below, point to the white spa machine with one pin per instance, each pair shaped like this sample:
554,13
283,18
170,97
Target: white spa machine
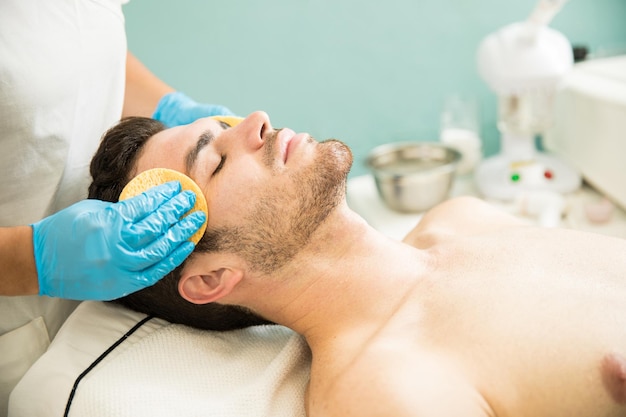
523,64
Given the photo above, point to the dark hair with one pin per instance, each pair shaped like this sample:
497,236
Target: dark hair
111,169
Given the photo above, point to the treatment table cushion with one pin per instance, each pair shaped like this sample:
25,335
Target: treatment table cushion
163,369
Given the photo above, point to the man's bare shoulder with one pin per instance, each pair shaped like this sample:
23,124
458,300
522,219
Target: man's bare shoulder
461,216
386,382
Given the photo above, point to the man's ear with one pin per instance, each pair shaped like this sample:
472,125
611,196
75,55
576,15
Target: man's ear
208,287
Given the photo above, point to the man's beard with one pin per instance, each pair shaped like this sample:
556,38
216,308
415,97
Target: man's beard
282,222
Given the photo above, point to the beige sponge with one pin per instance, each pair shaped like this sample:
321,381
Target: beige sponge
231,121
156,176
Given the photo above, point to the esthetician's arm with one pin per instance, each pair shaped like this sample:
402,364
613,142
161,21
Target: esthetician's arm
143,89
17,262
148,96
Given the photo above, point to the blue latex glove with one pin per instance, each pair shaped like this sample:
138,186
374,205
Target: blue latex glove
95,250
175,109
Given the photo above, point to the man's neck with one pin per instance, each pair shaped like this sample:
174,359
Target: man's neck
348,277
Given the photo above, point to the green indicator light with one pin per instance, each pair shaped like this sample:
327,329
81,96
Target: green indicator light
515,177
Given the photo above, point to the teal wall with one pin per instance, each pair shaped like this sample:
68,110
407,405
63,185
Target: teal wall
364,72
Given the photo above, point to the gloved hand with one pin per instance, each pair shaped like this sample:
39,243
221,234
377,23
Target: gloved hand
175,109
95,250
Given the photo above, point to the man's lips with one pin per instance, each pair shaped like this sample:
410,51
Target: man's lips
288,141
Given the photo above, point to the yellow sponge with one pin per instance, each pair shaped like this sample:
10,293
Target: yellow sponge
156,176
231,121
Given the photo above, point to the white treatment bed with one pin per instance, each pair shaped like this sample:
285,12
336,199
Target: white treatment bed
163,369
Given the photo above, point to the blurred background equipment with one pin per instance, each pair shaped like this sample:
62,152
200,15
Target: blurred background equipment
523,64
460,129
590,124
412,177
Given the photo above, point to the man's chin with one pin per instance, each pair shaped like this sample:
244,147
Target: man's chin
342,155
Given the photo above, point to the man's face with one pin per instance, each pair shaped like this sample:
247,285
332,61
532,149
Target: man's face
267,190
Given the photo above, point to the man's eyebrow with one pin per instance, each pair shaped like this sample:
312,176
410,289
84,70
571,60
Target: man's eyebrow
203,140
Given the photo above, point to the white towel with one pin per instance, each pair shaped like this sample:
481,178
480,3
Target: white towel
167,370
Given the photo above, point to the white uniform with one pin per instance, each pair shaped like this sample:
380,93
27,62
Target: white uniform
62,74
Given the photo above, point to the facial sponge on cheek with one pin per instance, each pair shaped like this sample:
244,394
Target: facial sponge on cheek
156,176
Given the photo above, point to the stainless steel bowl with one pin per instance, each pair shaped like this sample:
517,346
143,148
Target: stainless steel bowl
412,177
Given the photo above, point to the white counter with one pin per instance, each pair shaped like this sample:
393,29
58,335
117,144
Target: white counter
364,199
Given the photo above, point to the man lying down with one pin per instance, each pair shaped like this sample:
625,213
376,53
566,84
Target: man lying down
473,314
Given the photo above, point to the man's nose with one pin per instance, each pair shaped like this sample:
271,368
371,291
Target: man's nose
254,128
